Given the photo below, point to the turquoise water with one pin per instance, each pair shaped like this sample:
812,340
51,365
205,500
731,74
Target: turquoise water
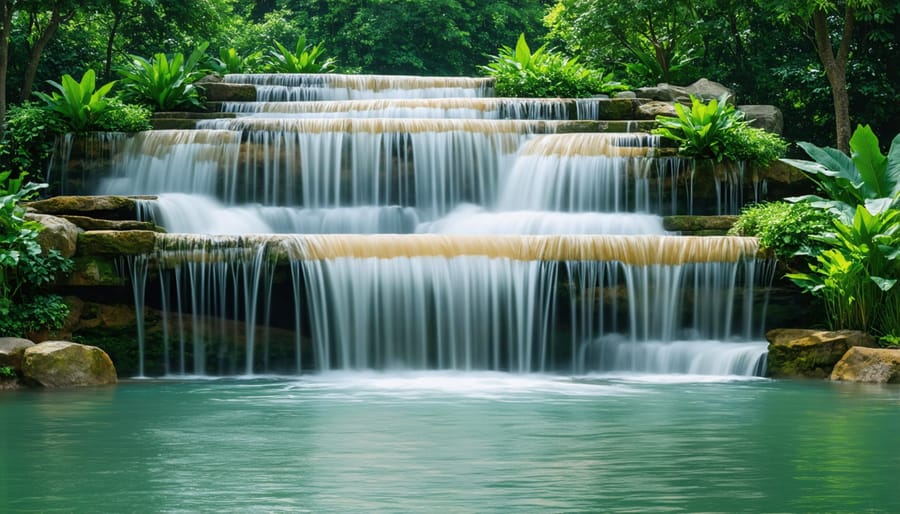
442,442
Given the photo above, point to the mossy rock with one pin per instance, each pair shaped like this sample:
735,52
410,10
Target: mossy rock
95,271
699,225
799,353
105,207
55,364
110,242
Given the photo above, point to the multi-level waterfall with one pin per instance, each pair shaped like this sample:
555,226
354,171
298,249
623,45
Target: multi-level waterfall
364,222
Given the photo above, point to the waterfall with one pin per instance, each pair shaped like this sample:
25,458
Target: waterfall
389,222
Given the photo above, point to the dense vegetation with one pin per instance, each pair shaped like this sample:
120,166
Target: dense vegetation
791,54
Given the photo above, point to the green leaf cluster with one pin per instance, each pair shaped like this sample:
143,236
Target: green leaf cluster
304,58
230,61
857,272
783,228
80,103
520,72
162,83
123,117
717,131
24,269
29,137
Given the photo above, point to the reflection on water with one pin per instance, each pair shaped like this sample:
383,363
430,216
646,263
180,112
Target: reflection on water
453,442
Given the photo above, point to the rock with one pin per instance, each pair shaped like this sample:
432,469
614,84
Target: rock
87,223
703,89
869,365
699,225
662,92
109,242
95,271
652,109
11,351
798,353
63,364
58,234
106,207
223,92
707,90
766,117
625,94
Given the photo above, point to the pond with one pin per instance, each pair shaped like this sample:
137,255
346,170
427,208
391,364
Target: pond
453,442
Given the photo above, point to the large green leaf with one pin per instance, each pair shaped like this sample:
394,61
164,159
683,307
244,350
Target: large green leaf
870,164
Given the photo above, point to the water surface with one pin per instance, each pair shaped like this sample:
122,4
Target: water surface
453,442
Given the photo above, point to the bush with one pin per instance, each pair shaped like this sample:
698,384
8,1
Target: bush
716,130
29,138
79,103
305,58
24,270
122,117
164,84
783,228
545,73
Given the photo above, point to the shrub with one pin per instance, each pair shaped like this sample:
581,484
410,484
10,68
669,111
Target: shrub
230,61
545,73
701,131
305,58
29,138
24,270
746,143
783,228
122,117
79,103
164,84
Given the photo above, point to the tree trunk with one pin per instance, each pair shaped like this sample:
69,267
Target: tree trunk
836,70
34,56
110,42
6,12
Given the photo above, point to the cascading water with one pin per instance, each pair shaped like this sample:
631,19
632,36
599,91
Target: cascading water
470,262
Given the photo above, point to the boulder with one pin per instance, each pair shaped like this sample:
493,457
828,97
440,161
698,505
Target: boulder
799,353
699,225
11,351
766,117
662,92
63,364
88,223
58,234
707,90
654,108
223,92
870,365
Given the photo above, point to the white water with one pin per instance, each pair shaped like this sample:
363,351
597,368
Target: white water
468,299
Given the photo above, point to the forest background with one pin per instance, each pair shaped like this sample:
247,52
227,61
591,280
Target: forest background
800,55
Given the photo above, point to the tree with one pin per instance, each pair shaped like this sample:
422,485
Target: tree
830,25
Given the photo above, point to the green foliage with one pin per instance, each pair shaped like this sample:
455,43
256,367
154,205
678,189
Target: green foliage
701,131
7,372
29,138
783,228
24,269
164,84
856,275
79,103
230,61
866,176
122,117
520,72
746,143
305,58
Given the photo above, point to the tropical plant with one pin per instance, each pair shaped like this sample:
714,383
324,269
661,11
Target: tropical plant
24,269
701,131
164,84
750,144
305,58
847,181
79,103
783,228
857,274
519,72
230,61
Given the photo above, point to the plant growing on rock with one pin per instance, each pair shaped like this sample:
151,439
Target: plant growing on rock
24,269
519,72
717,131
164,84
305,58
783,228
